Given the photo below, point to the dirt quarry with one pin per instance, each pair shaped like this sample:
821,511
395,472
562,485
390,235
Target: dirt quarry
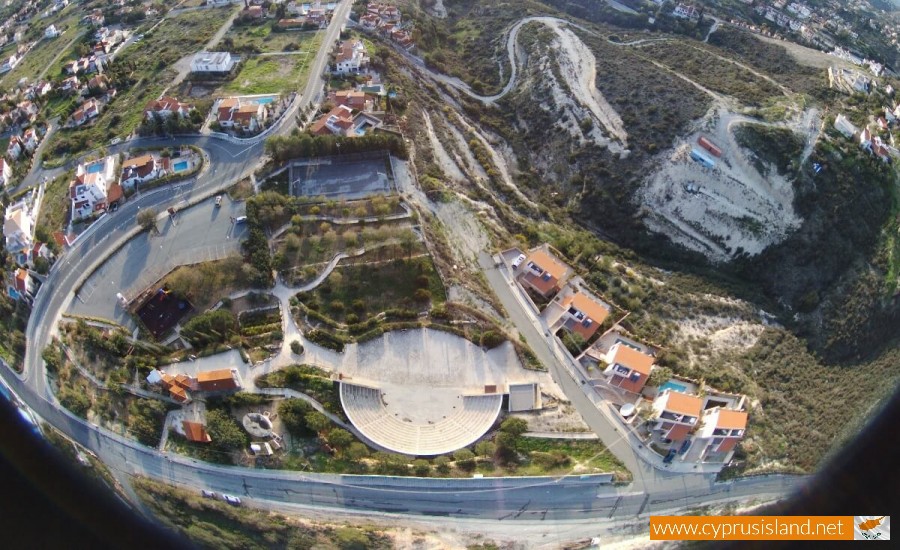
718,205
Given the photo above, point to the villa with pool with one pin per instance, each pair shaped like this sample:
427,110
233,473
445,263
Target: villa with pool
147,166
246,114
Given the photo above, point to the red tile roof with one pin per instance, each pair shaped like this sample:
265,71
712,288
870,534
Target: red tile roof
633,359
683,403
731,420
216,380
194,431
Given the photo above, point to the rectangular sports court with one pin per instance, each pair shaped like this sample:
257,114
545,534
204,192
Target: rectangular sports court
349,180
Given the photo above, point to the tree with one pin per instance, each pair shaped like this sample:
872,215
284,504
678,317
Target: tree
506,448
485,448
421,467
514,426
146,218
226,434
340,439
317,421
465,459
293,414
442,465
659,376
296,347
357,451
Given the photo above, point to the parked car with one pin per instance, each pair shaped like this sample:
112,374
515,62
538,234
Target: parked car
232,500
518,261
240,219
209,494
218,200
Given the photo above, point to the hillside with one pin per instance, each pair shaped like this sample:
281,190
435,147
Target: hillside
763,275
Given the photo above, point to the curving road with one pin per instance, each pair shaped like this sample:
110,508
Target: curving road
527,500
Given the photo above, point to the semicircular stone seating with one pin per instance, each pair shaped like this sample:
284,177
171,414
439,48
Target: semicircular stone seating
363,406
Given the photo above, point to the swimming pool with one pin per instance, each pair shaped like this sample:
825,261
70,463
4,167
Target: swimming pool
180,166
674,386
94,168
265,100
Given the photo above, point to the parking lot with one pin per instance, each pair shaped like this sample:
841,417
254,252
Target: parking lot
199,234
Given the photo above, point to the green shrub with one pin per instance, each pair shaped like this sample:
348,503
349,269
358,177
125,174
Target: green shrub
296,347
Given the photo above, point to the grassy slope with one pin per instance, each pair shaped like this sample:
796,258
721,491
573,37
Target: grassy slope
276,74
46,49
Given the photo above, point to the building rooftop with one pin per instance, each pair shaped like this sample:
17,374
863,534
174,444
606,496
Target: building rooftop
683,403
632,358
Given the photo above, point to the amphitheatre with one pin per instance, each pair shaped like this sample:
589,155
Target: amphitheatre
425,392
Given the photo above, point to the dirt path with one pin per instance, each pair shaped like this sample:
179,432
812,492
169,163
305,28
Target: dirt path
577,64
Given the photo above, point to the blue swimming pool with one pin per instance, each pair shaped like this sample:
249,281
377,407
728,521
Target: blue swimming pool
674,386
94,168
265,100
179,166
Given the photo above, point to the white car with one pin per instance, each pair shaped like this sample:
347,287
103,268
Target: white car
209,494
518,261
233,500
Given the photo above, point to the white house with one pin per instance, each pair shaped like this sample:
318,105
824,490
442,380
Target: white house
5,172
21,285
720,431
686,11
15,147
212,62
51,32
88,191
18,227
31,139
351,57
10,63
844,126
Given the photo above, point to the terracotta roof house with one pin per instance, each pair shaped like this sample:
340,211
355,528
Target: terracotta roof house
99,83
675,414
139,170
21,285
337,121
217,380
628,368
584,314
166,106
544,273
232,113
88,110
196,432
356,100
